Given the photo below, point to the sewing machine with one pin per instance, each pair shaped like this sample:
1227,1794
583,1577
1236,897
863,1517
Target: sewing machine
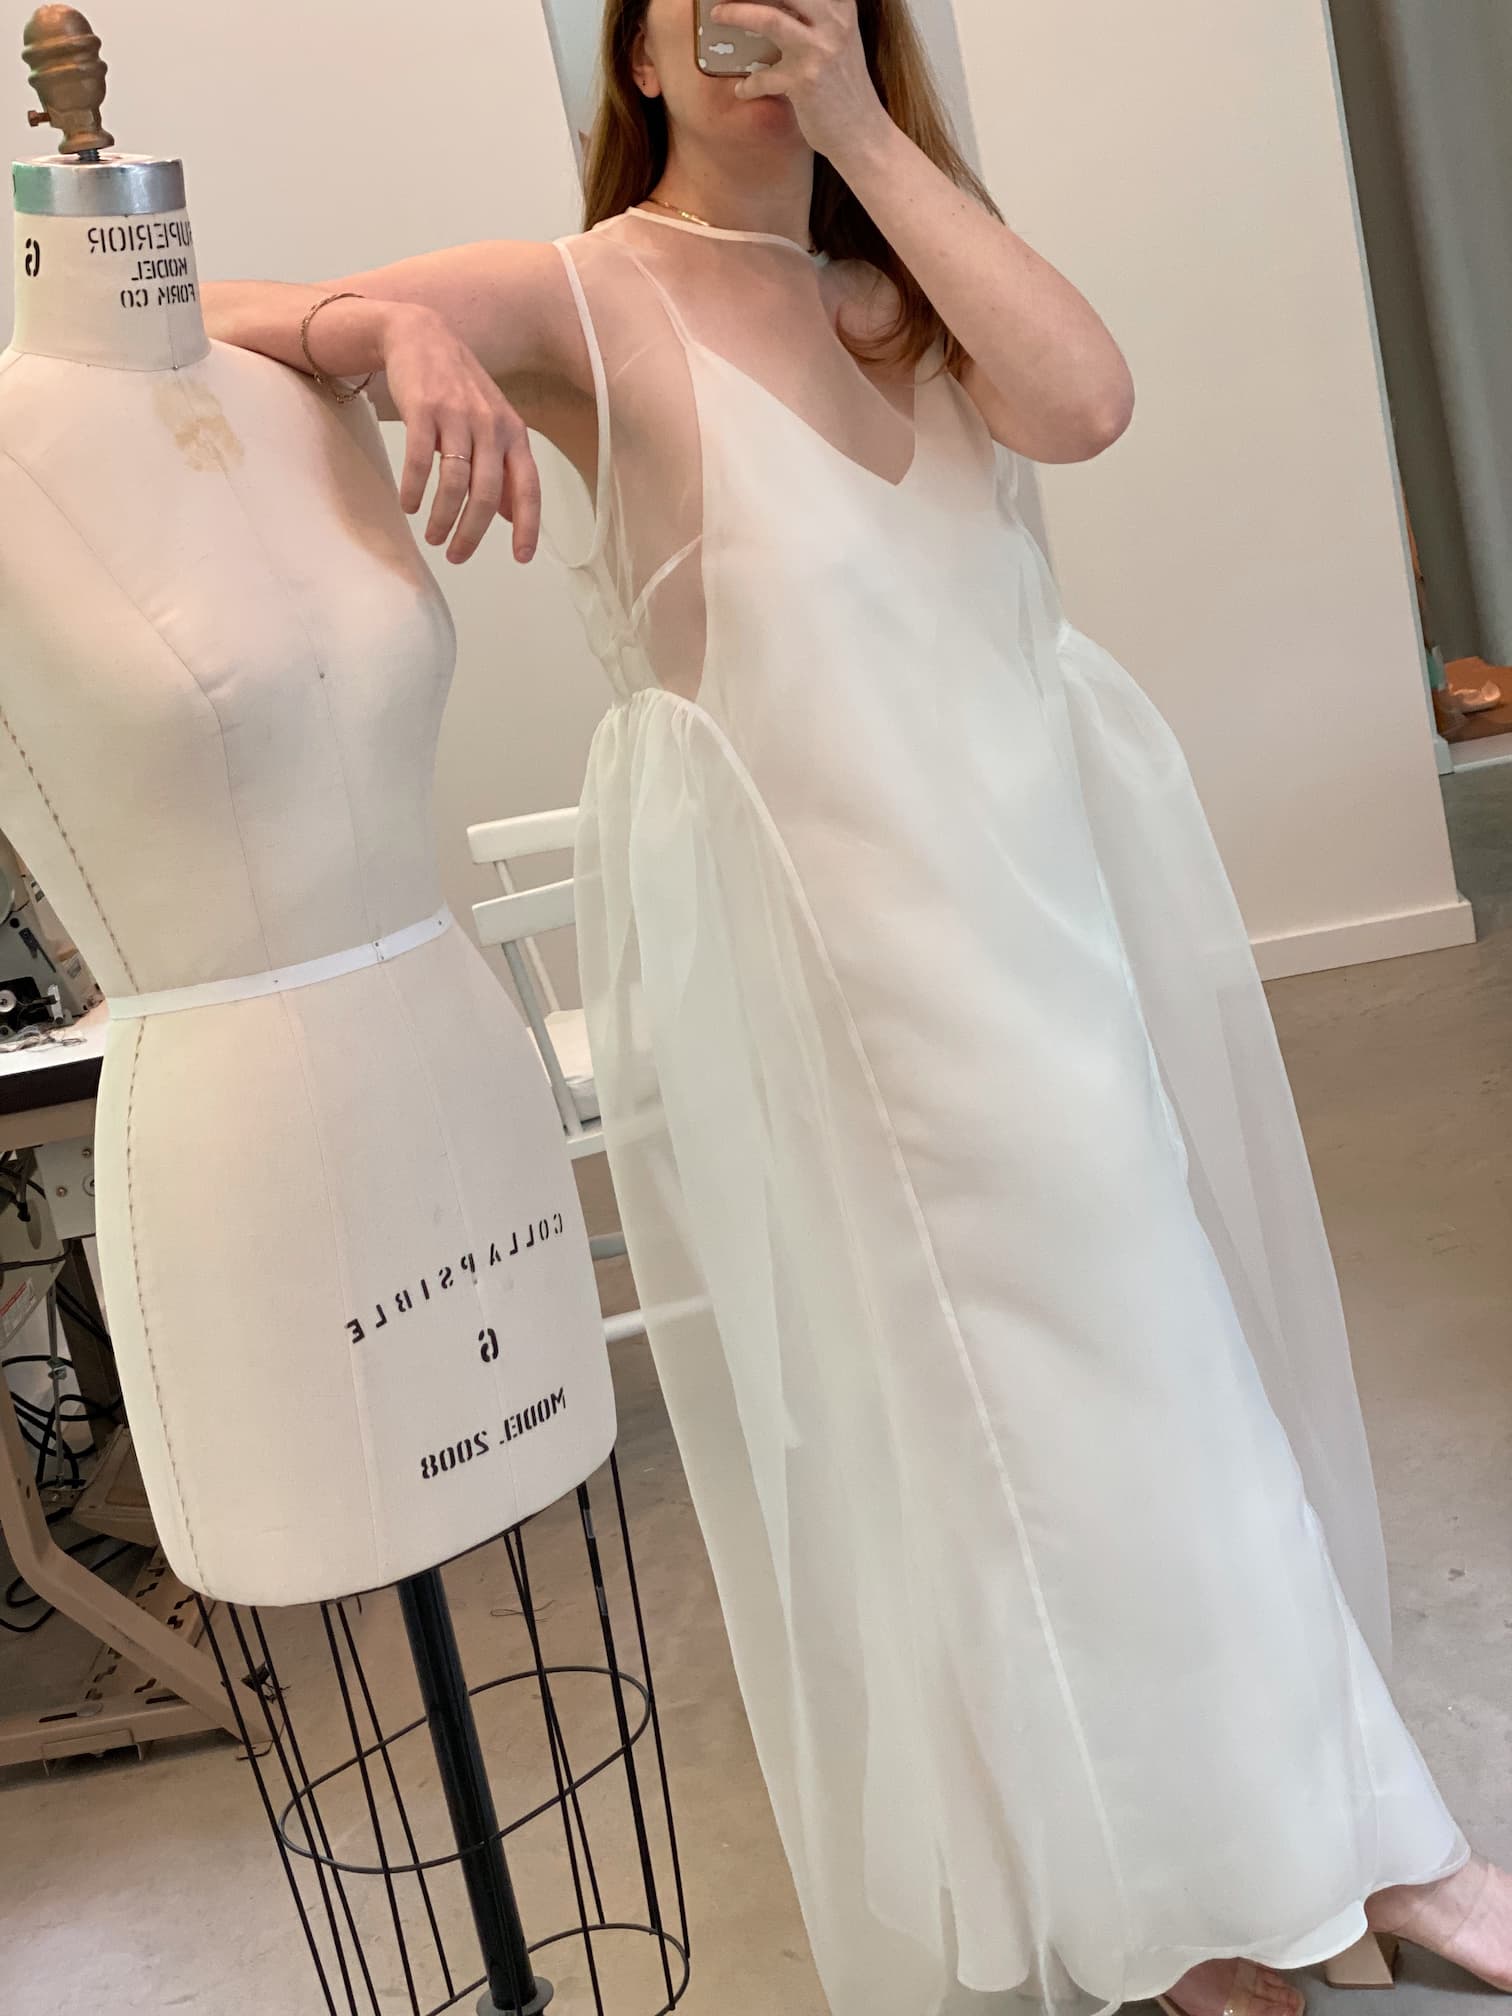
44,982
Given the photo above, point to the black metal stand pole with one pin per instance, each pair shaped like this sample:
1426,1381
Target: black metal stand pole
513,1989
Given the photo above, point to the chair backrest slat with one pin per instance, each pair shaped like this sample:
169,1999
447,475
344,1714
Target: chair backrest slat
513,920
504,920
533,833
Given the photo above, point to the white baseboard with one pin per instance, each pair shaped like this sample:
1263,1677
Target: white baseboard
1371,938
1480,754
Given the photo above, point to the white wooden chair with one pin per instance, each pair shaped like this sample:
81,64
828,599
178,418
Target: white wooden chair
513,922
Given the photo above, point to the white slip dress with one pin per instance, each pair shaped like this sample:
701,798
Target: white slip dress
989,1291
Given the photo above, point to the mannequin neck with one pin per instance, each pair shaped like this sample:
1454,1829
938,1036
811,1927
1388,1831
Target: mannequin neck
99,281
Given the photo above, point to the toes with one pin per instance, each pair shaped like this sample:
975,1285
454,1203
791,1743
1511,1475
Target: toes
1275,1992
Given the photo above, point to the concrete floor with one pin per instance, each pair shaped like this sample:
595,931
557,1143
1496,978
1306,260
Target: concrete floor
141,1888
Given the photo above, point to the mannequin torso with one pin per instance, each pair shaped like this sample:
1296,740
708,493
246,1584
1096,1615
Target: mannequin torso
341,1245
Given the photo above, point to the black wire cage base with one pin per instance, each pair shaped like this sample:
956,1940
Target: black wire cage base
380,1783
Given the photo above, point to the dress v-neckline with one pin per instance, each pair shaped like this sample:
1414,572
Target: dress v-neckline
817,261
808,426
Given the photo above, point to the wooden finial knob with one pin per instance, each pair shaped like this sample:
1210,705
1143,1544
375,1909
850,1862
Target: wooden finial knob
63,55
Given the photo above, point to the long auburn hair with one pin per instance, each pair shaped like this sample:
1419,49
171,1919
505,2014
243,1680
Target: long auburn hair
627,156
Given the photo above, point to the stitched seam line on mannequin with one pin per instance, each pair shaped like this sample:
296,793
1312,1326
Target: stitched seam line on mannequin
92,365
423,1071
747,784
136,1270
73,852
178,658
296,1038
322,681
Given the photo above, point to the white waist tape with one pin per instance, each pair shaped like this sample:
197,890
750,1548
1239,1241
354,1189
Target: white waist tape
283,979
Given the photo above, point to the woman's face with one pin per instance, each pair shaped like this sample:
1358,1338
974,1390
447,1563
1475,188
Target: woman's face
705,109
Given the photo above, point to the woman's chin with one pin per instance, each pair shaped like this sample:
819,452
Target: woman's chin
769,120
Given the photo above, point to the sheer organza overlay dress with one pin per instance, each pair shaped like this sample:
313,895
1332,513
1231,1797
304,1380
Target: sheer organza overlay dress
988,1287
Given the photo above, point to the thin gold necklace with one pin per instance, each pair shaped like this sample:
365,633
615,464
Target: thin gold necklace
686,215
703,223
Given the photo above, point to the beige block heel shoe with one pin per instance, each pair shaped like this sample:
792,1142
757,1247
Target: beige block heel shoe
1370,1964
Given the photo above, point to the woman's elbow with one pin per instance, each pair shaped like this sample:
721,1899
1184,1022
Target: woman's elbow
1107,416
1088,424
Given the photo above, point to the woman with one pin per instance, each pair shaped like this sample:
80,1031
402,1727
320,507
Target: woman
953,1146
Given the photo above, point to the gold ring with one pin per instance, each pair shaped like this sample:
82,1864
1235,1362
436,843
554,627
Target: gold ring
451,457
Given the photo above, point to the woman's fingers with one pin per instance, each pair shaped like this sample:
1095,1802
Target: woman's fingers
485,491
524,497
454,464
419,457
503,482
773,15
479,450
765,84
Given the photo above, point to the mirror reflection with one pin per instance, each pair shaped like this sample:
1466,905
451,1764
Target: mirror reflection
757,856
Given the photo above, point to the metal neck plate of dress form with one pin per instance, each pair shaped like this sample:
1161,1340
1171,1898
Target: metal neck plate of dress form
125,187
63,60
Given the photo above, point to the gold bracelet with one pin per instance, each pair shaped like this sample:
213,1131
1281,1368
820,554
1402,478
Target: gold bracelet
340,393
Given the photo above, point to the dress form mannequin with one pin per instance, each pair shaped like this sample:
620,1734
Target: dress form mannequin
346,1270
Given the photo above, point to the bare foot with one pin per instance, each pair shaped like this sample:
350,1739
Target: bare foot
1466,1918
1235,1988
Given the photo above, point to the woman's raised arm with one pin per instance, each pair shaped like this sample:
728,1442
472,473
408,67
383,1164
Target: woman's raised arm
449,331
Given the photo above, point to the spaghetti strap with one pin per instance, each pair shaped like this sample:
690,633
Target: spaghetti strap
663,294
600,395
636,571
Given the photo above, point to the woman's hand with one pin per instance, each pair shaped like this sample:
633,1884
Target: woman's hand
456,418
823,71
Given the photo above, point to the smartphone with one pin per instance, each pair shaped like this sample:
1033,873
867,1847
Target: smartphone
729,52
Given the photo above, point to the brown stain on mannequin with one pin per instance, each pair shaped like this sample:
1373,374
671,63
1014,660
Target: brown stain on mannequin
190,411
197,421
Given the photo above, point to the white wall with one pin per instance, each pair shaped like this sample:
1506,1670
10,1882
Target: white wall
1242,550
322,140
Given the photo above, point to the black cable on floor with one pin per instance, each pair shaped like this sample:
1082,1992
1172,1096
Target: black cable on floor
25,1602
